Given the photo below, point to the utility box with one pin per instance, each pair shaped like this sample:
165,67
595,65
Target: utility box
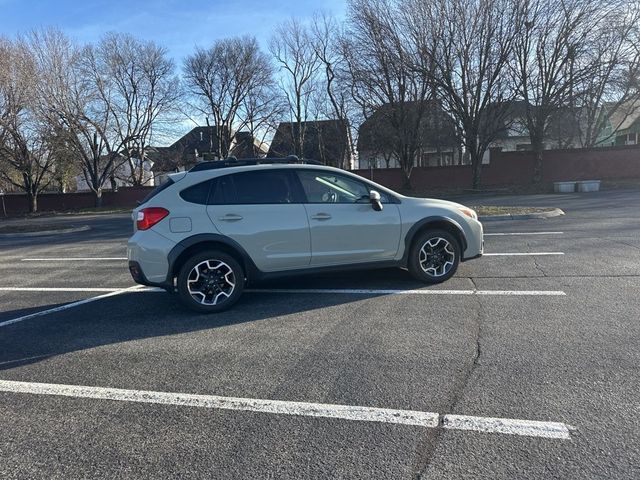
564,187
589,186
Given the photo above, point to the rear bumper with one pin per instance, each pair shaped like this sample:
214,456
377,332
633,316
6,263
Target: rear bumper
139,277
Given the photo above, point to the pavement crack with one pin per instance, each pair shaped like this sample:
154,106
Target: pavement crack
459,388
538,266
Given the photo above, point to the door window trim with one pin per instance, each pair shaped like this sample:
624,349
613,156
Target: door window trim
392,199
297,192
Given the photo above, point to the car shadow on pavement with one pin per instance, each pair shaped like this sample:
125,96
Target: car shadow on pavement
136,316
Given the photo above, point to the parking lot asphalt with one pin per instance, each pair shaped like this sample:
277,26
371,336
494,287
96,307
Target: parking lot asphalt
535,337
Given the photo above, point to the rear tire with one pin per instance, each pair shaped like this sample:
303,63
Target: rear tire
210,282
434,256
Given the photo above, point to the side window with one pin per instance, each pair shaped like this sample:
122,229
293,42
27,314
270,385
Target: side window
259,187
328,187
223,193
198,193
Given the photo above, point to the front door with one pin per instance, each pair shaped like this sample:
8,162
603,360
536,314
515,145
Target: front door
344,226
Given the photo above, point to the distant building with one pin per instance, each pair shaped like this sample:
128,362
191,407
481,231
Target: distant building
200,144
439,143
327,141
563,129
621,126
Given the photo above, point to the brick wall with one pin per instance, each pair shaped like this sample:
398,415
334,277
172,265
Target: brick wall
506,168
125,197
516,168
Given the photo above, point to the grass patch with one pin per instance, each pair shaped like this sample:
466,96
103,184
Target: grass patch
486,210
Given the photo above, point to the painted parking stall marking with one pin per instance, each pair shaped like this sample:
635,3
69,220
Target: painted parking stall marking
520,254
76,259
507,234
507,426
530,428
59,289
359,291
111,292
69,305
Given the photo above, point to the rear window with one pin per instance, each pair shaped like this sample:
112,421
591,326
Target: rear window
157,190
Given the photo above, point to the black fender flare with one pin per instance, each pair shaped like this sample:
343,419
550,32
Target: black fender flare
416,227
251,271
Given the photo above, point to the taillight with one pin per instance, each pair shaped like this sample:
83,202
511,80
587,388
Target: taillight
148,217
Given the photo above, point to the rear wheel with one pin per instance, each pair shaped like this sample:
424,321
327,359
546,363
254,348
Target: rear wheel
434,256
210,282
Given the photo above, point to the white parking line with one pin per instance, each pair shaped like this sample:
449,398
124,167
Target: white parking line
352,291
345,412
67,306
521,233
57,289
348,291
508,426
74,259
520,254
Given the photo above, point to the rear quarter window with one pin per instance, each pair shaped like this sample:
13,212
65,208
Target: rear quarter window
198,193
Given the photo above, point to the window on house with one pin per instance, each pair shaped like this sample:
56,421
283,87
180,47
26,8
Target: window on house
632,139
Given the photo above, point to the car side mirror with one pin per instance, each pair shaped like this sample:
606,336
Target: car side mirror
374,198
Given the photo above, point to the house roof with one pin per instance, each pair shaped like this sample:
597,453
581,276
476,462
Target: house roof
185,151
623,117
324,140
246,146
377,133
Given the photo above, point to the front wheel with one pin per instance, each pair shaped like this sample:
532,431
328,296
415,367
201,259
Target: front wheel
434,256
210,282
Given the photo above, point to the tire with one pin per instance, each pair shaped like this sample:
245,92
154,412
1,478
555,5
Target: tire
434,256
210,282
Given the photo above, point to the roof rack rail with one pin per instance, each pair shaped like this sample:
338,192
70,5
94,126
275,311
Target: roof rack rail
234,162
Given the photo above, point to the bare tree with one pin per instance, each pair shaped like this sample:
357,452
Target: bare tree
613,88
387,70
25,159
293,49
260,113
221,79
135,82
70,102
327,38
552,59
470,43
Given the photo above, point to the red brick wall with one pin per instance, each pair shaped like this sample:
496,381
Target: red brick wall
516,168
506,168
125,197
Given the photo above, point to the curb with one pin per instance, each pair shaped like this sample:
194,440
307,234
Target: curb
44,233
556,212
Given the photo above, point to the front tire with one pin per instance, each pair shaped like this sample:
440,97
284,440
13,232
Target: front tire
434,256
210,282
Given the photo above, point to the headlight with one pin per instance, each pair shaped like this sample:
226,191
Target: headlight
469,212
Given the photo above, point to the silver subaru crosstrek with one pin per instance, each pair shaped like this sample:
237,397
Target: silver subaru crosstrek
207,233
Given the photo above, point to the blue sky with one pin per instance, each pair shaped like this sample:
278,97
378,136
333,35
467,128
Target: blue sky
177,25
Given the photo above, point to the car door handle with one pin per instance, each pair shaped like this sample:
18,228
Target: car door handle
321,216
230,217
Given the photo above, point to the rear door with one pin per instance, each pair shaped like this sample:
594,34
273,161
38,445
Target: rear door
262,211
344,226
